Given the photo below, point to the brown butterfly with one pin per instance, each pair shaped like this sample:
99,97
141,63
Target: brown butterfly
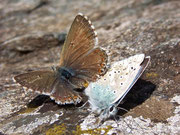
80,63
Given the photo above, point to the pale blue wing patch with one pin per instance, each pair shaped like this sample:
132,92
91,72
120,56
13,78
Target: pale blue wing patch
101,95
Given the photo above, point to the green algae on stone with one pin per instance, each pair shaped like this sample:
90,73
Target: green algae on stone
95,131
152,75
27,110
57,130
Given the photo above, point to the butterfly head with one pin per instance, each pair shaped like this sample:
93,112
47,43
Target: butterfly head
108,112
101,97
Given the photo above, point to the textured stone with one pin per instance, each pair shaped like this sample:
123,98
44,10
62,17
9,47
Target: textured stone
32,33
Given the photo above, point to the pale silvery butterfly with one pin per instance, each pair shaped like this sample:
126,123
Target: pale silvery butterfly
106,93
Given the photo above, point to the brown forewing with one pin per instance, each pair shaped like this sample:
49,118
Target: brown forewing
46,82
40,81
80,39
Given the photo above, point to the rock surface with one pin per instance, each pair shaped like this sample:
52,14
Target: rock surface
32,33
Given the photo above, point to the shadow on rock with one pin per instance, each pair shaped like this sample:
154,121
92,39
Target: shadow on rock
140,92
49,104
38,101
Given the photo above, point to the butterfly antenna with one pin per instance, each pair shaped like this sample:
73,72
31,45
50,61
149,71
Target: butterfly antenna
120,108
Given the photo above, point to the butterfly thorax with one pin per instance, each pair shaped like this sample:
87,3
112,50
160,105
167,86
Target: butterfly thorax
65,73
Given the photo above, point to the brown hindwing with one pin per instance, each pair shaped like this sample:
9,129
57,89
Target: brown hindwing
91,65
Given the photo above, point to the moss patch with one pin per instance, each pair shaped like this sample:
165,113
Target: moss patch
27,110
95,131
152,75
57,130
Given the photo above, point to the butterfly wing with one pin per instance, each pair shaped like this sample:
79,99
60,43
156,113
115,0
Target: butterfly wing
135,71
40,81
79,54
80,39
63,93
46,82
130,71
116,83
92,65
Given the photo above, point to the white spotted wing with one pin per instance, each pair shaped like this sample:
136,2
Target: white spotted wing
117,82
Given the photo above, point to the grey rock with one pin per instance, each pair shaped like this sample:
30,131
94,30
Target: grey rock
30,40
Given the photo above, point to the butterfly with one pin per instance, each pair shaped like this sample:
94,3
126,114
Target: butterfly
81,62
106,93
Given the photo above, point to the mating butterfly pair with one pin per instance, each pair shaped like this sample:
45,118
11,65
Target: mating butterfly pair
81,62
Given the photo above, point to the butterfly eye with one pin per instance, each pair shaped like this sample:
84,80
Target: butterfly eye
111,109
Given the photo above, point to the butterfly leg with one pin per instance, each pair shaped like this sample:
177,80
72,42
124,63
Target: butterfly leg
83,105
